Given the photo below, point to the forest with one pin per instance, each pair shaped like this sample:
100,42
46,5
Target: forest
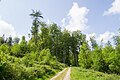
51,49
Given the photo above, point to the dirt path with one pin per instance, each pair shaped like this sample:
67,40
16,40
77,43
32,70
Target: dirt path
58,74
67,77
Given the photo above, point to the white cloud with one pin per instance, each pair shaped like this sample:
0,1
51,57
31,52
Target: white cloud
48,21
6,29
76,18
63,21
107,36
88,36
115,9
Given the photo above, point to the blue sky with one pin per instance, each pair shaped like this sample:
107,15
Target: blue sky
100,18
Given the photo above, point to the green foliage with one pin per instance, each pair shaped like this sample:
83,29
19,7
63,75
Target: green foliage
5,48
85,60
108,56
93,42
36,23
30,67
15,50
85,74
23,47
98,61
115,62
104,59
32,46
9,41
16,40
1,40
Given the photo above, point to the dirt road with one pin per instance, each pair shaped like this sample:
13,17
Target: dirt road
67,75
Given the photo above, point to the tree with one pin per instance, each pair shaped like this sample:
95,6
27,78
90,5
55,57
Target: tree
55,36
9,41
5,48
36,15
115,66
1,40
76,41
85,59
16,40
108,56
66,47
23,47
15,50
44,36
93,42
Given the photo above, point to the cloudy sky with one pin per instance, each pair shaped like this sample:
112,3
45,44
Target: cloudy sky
100,18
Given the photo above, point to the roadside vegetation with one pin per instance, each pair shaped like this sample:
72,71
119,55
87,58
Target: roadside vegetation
29,67
86,74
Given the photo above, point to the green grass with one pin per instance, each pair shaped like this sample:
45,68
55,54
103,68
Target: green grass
84,74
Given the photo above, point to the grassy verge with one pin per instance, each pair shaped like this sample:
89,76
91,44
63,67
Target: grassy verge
84,74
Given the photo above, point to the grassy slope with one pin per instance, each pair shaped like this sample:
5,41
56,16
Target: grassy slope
84,74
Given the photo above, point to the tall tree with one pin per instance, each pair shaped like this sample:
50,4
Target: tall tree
115,66
36,15
55,35
66,46
85,60
77,39
108,53
44,36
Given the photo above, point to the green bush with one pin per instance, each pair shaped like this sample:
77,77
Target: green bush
30,67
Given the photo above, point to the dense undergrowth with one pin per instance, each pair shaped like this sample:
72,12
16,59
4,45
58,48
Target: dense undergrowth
30,67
